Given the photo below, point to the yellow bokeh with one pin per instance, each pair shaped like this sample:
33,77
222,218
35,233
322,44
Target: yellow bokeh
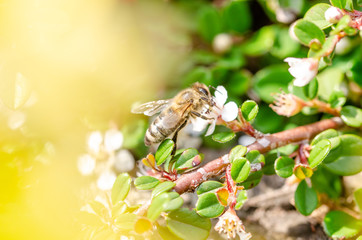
68,67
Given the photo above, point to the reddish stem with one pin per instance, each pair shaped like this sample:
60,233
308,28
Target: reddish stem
190,181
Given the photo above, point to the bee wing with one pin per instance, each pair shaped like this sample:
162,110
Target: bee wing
151,108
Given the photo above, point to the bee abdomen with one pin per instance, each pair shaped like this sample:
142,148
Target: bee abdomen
156,132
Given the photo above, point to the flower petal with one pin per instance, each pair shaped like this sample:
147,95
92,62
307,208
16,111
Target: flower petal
113,139
229,112
211,128
198,124
220,96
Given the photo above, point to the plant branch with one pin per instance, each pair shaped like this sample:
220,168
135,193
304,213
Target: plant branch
190,181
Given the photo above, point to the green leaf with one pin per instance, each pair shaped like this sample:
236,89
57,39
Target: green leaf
208,186
327,134
319,152
186,159
307,31
343,24
253,180
99,209
237,152
175,202
260,43
241,199
265,83
284,46
164,151
358,198
187,225
121,188
311,89
126,222
146,182
306,199
284,166
198,74
162,187
326,182
223,137
209,23
337,99
338,224
352,116
316,15
237,16
343,4
346,158
209,206
329,80
157,206
249,109
254,157
240,169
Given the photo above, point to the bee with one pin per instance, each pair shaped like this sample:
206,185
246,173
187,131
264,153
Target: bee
192,102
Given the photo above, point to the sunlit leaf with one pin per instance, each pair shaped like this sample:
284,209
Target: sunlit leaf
164,151
339,224
306,199
146,182
121,188
209,206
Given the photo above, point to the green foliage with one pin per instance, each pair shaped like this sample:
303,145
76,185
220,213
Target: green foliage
319,152
249,110
339,224
306,199
188,225
208,205
316,15
241,199
208,186
240,169
352,116
284,166
121,188
223,137
162,187
164,151
146,182
306,32
237,152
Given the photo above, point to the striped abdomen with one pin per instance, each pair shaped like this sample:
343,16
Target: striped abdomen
163,126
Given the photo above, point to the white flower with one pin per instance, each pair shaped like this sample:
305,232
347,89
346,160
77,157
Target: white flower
222,43
106,180
303,69
86,164
284,15
333,14
124,161
228,112
287,104
231,225
94,141
113,140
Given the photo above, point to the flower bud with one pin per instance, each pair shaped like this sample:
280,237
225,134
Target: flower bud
222,43
333,14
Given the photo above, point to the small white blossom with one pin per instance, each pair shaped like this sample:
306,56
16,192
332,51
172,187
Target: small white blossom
231,225
285,15
287,104
124,161
333,14
113,140
94,141
222,43
303,69
246,140
86,164
228,112
105,180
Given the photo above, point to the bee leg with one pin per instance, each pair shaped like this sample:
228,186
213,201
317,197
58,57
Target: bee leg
174,139
196,114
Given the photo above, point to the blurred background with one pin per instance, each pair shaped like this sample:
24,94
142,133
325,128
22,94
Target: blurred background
70,70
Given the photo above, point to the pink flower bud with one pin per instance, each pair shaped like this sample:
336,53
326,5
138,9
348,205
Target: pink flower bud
333,14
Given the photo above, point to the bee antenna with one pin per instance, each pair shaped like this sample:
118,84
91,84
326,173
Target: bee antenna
214,88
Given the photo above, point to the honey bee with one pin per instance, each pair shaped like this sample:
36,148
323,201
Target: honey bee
192,102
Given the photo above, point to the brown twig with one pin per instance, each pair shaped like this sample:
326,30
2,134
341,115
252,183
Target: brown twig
190,181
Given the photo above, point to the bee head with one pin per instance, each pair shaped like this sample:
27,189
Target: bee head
204,92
